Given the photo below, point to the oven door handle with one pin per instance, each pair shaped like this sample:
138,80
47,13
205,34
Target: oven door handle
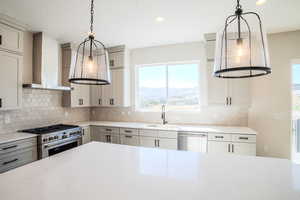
47,146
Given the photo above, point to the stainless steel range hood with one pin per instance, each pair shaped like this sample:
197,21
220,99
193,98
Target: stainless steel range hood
46,64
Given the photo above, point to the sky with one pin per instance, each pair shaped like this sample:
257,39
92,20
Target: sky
296,74
180,76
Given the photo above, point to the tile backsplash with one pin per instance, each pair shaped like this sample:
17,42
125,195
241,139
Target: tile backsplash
40,108
207,116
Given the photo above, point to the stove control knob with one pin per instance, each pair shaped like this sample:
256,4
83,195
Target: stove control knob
45,140
51,138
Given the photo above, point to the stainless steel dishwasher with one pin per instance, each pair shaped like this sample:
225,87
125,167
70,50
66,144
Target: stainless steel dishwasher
192,141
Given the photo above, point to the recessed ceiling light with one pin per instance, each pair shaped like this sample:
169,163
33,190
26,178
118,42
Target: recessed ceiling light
159,19
260,2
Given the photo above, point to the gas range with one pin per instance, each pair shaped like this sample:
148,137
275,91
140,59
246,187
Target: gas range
56,138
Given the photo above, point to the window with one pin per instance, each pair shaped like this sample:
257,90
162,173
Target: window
176,85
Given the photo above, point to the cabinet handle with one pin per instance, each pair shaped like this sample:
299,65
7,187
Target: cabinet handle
0,39
82,131
111,63
108,129
0,103
232,148
219,137
128,131
229,100
228,148
10,147
11,161
128,136
226,101
100,101
243,138
112,102
108,138
157,143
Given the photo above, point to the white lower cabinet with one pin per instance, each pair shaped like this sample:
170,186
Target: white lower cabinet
218,147
148,141
132,140
244,148
167,143
232,143
86,134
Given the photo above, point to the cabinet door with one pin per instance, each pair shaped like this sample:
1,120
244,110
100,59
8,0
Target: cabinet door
239,91
132,140
96,95
118,87
80,95
244,149
11,39
110,138
167,143
217,88
210,47
10,81
86,135
107,93
116,59
219,147
147,141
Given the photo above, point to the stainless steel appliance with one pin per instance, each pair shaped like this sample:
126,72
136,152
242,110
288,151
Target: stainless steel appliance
191,141
56,138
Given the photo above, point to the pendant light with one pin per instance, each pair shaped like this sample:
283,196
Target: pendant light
241,47
91,62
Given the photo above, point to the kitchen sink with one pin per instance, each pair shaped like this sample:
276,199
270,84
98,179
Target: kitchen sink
161,126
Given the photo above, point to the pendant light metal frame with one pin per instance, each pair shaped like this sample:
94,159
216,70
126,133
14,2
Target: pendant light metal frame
222,70
94,50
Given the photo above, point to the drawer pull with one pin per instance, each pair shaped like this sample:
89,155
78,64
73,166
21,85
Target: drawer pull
0,39
0,103
128,131
11,161
108,129
10,147
243,138
128,136
219,137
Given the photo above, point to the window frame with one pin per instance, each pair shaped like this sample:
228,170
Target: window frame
201,76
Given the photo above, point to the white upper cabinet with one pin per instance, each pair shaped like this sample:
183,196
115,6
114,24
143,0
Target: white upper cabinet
11,64
79,96
116,94
11,39
10,81
224,92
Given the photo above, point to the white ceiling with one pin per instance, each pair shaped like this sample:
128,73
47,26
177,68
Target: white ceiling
132,22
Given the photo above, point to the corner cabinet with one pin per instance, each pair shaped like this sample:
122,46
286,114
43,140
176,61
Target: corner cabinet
11,64
224,92
79,96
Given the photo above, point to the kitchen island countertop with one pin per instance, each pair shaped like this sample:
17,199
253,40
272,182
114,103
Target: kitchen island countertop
119,172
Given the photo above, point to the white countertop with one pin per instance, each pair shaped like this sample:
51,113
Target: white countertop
194,128
119,172
11,137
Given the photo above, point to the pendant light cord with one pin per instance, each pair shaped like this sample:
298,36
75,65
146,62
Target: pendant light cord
238,6
92,16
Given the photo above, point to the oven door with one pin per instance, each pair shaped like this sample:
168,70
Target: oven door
52,149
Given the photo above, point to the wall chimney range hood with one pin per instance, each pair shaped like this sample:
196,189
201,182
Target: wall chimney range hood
46,64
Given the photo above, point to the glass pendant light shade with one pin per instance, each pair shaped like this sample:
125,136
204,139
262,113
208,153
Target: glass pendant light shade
91,65
241,47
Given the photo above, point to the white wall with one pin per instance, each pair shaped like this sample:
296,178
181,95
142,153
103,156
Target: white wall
270,113
172,53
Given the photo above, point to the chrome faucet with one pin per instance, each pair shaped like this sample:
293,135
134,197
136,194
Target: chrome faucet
163,114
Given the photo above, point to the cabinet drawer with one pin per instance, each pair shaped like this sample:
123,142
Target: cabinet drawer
244,138
112,130
219,137
11,39
17,145
132,140
129,131
18,158
167,134
149,133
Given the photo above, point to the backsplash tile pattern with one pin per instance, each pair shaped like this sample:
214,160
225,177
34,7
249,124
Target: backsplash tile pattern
207,116
40,108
